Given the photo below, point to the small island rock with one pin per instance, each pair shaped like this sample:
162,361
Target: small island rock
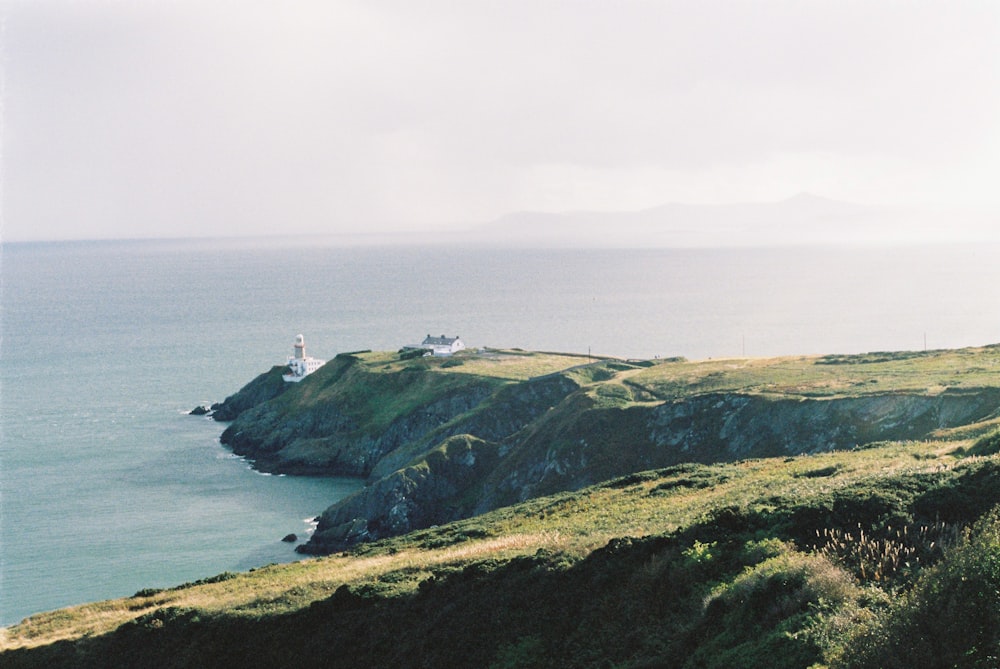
290,538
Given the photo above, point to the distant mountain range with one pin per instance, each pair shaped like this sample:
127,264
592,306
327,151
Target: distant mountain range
799,220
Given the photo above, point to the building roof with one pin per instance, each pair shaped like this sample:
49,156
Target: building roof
439,341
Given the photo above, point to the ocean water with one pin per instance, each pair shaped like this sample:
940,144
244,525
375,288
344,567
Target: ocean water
107,486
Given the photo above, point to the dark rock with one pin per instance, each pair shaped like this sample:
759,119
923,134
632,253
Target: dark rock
290,538
263,388
199,411
418,496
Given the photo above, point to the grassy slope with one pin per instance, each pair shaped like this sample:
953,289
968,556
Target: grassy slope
330,423
825,376
774,540
709,527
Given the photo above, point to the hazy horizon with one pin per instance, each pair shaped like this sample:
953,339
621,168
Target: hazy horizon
802,220
155,119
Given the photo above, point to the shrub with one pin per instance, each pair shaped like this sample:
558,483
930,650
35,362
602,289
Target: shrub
781,586
526,652
882,558
764,616
820,473
986,445
950,619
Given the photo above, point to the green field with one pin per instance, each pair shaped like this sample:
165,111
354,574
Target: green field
511,364
826,376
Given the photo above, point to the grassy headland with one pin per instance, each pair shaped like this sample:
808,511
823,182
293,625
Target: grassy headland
879,555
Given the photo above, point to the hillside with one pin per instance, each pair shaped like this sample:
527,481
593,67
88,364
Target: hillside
829,534
799,220
844,559
445,439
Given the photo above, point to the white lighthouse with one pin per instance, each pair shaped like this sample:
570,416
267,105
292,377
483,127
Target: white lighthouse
301,365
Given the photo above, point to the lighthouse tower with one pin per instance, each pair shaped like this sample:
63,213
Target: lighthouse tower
301,365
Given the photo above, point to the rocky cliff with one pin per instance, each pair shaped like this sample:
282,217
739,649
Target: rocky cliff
265,387
344,419
439,445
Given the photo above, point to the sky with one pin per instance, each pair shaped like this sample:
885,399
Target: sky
179,118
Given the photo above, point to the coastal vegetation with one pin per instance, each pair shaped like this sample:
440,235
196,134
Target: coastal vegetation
440,439
856,526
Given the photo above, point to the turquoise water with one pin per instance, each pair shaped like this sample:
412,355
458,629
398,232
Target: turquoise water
109,487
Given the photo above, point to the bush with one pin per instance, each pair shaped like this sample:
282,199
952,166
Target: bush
950,619
763,616
526,652
986,445
783,586
888,557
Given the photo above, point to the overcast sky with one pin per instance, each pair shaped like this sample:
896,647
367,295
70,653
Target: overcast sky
148,118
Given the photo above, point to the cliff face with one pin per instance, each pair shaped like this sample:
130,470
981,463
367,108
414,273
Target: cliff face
344,419
604,442
265,387
438,445
439,481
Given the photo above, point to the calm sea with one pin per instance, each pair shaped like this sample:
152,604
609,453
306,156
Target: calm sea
108,487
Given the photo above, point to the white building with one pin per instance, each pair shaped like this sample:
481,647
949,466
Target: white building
443,345
301,365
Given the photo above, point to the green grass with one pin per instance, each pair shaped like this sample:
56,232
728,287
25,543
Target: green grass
826,376
508,364
833,559
658,380
372,395
381,387
719,565
654,503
